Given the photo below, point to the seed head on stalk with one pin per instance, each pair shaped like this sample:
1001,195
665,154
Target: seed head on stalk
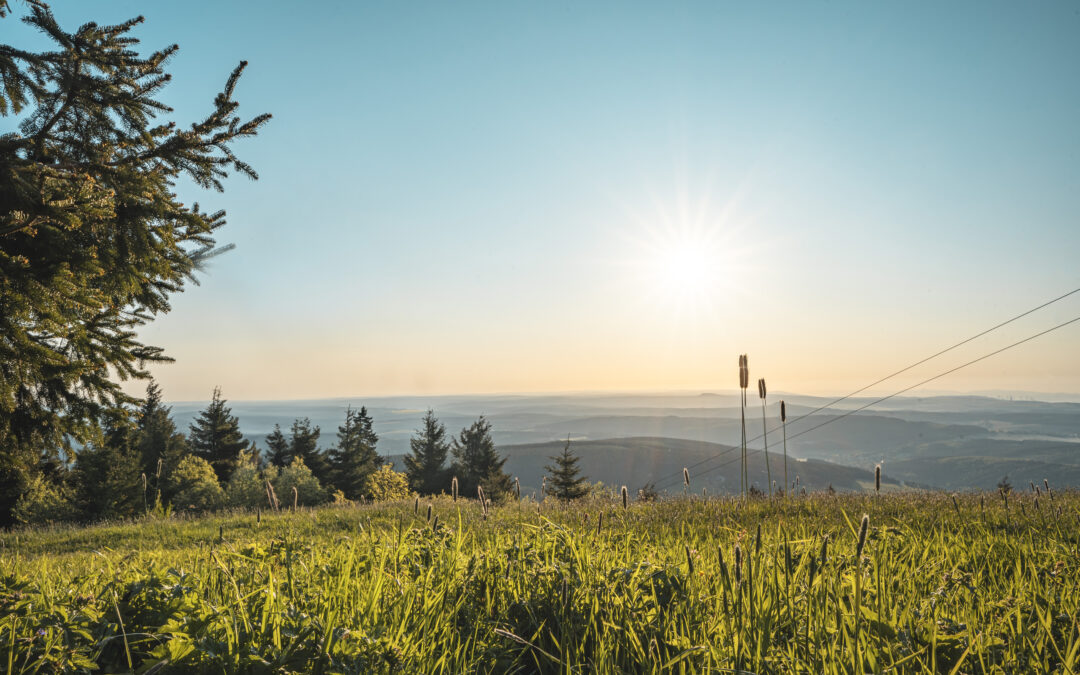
744,382
625,498
783,423
689,561
685,477
454,487
738,564
863,526
483,502
762,392
877,478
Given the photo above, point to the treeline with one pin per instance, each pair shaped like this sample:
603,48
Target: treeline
142,464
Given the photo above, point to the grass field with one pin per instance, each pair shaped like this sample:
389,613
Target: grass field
975,585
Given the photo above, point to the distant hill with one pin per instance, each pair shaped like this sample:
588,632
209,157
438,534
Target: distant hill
636,461
920,439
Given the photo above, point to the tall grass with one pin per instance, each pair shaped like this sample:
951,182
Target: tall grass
915,586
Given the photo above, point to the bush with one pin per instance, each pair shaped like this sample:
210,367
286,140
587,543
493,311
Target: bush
246,488
297,475
194,486
386,485
43,503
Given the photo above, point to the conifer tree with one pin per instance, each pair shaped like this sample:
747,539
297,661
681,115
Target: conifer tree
280,451
425,467
93,235
476,463
215,437
354,459
160,445
304,445
107,477
564,479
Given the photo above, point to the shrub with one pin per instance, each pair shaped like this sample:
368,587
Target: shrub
194,486
297,475
386,485
43,503
246,488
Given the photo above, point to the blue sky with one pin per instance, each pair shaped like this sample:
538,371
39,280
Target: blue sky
498,197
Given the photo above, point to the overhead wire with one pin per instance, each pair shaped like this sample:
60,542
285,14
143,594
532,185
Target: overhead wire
902,370
895,394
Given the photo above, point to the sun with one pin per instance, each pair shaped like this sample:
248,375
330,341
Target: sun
684,269
686,258
687,270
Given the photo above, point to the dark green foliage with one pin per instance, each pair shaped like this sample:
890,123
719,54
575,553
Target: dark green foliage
476,463
93,237
107,477
280,451
354,458
565,481
425,466
304,445
160,445
215,436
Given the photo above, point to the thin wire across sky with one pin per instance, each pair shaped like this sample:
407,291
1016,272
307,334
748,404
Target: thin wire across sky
667,482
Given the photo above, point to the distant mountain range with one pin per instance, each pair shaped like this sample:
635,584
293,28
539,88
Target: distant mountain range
947,442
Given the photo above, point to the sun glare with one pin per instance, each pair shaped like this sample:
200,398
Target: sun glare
684,269
688,271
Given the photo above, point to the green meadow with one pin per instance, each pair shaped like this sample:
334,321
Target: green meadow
975,583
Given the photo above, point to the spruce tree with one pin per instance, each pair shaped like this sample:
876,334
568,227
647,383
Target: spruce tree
354,458
107,477
476,463
425,467
304,445
280,450
160,445
215,436
93,235
564,479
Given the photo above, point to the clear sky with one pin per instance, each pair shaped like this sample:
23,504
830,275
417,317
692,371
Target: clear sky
515,197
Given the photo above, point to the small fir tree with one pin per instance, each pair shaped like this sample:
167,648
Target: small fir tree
215,437
564,479
354,458
107,477
476,463
160,445
304,445
280,454
426,465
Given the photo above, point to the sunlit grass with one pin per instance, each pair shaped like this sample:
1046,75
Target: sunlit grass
968,586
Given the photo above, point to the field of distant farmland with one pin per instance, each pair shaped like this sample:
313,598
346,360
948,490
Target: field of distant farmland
975,583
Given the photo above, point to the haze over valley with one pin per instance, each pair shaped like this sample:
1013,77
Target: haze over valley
949,442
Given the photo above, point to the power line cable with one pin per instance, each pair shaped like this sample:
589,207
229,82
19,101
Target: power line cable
906,389
904,370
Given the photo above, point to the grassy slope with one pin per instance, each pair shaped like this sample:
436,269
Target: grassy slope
633,461
971,586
